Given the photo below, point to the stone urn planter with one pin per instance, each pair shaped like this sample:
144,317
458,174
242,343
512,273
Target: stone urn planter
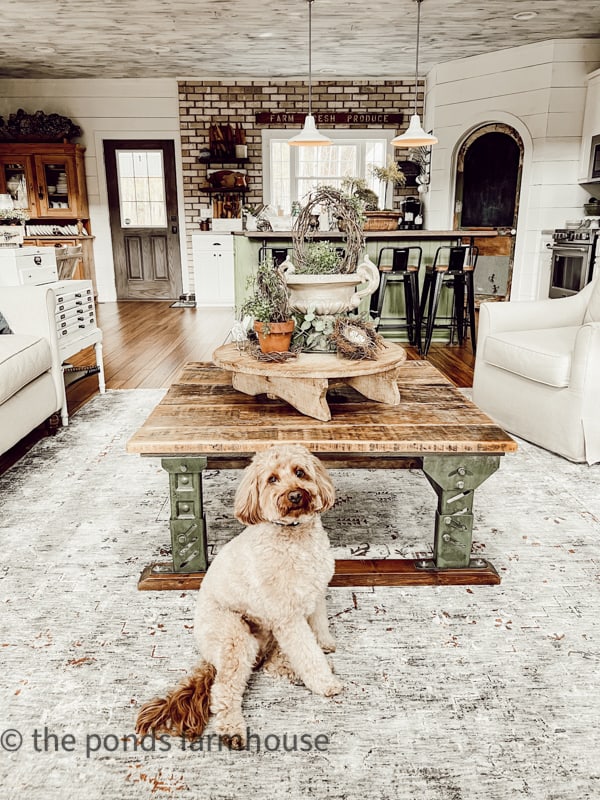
335,293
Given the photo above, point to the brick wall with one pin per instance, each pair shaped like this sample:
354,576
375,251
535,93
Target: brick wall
233,101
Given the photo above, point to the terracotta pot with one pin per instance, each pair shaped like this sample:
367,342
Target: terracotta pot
279,337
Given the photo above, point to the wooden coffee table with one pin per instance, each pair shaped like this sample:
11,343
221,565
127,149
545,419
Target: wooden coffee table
204,423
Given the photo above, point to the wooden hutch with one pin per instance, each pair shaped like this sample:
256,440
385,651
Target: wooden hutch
48,180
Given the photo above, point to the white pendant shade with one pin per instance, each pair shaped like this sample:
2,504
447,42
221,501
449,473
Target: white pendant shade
414,135
309,135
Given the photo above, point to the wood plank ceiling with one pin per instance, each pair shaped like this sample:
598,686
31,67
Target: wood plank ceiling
268,38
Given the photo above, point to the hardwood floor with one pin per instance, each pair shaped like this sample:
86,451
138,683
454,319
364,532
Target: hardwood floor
147,343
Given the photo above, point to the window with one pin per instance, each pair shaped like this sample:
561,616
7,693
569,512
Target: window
290,173
141,188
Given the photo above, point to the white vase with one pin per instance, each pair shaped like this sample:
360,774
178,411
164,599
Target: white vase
331,294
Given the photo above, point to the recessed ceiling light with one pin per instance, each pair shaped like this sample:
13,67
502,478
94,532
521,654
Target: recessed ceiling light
44,50
162,48
524,16
265,35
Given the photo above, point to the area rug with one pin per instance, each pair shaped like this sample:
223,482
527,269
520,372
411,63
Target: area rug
451,693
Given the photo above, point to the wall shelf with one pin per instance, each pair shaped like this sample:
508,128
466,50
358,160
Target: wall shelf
217,160
235,190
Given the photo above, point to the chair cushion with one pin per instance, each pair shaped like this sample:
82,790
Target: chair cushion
592,313
22,360
540,355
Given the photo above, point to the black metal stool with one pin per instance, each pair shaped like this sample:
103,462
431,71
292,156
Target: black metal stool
456,274
407,274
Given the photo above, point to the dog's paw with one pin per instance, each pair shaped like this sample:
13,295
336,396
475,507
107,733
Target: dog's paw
278,666
335,687
327,645
232,731
328,687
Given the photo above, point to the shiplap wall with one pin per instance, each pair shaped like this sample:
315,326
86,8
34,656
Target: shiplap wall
105,109
540,90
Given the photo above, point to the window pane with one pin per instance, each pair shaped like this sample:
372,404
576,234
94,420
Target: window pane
141,188
296,171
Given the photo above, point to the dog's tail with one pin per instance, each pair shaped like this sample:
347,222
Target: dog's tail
184,711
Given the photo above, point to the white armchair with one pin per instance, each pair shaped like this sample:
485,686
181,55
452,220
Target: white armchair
537,371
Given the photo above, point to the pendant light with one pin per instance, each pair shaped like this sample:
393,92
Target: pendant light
415,136
309,136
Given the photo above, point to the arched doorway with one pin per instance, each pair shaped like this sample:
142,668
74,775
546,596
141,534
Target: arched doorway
488,182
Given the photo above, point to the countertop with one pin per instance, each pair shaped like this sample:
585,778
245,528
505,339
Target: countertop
419,234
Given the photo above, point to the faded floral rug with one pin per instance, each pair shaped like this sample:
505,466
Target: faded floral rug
451,693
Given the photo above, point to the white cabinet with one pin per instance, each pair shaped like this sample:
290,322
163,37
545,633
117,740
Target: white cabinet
23,265
76,329
213,269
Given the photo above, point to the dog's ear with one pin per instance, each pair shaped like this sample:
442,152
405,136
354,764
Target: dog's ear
246,506
326,490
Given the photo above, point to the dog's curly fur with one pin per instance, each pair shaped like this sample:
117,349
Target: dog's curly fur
261,601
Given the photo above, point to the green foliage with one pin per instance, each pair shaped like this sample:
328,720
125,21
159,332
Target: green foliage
321,258
312,331
358,190
268,300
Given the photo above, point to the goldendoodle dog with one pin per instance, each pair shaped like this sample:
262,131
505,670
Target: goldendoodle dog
262,599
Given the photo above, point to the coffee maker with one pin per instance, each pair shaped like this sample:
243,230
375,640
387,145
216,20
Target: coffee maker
412,213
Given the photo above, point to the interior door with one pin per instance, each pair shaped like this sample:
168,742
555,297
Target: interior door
144,224
488,183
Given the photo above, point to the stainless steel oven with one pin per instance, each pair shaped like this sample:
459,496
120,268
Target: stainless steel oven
572,260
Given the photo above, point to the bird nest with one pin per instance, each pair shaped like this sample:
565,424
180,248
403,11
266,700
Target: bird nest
348,213
356,339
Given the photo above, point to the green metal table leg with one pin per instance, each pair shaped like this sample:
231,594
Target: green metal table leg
187,522
454,480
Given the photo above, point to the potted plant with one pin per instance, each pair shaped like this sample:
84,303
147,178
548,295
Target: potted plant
386,220
269,306
324,274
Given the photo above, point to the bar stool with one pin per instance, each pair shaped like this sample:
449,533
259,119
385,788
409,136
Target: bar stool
408,275
456,274
278,254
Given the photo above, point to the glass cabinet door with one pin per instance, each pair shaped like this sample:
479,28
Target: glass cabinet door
57,186
16,180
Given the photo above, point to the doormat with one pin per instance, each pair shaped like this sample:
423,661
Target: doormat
183,304
185,301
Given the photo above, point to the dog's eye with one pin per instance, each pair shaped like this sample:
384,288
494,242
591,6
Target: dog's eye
300,473
273,479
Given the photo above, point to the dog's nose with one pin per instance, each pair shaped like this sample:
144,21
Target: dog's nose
294,497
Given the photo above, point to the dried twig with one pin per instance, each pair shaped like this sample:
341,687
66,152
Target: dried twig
350,222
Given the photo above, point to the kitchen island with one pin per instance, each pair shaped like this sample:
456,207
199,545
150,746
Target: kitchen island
247,245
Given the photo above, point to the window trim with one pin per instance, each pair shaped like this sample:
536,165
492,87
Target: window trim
336,135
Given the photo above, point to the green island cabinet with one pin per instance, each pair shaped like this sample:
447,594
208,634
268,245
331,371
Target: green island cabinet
247,245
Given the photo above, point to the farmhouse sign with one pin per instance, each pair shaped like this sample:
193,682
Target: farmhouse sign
331,118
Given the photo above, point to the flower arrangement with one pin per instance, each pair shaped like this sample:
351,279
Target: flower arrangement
13,216
391,173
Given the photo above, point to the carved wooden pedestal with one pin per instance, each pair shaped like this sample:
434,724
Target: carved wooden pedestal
304,382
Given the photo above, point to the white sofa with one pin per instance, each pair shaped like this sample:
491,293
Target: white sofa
537,371
31,377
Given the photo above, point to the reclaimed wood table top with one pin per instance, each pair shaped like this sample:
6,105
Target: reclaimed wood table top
203,414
